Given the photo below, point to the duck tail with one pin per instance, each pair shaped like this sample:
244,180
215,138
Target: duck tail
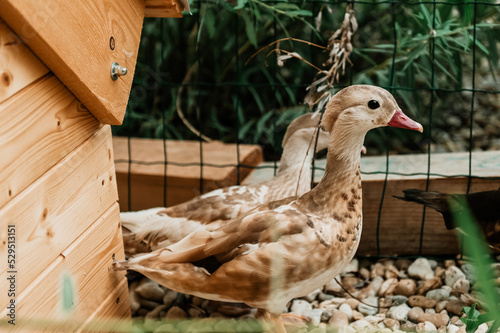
435,200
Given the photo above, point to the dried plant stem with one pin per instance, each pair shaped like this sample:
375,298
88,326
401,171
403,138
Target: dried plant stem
285,39
340,47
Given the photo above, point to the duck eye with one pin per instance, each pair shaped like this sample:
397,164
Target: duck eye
373,104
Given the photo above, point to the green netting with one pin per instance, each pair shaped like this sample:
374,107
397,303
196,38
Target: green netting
438,58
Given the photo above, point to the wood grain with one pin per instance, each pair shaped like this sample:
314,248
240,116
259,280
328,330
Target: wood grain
59,206
85,263
45,123
163,8
18,65
401,222
115,306
73,38
183,182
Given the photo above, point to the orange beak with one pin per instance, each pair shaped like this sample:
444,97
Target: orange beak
403,121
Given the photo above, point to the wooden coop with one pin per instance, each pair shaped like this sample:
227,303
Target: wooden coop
58,193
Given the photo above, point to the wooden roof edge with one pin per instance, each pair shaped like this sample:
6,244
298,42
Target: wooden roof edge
165,8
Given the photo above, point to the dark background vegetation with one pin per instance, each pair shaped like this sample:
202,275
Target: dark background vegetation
431,55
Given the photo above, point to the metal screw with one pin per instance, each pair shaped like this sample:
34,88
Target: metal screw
117,70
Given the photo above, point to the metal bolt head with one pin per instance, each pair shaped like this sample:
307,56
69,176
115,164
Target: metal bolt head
117,71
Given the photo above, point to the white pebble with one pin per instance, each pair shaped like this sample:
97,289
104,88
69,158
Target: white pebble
421,269
376,284
301,307
312,296
385,330
367,309
345,308
333,285
462,284
482,328
353,266
315,316
452,275
441,294
374,320
360,324
338,300
470,273
398,299
399,312
426,326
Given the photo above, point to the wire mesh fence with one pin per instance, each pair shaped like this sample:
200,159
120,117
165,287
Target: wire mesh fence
438,58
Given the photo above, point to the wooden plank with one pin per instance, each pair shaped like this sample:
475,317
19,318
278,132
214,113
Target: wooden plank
163,8
411,166
45,122
183,182
115,306
401,222
399,232
79,41
18,65
484,164
86,263
59,206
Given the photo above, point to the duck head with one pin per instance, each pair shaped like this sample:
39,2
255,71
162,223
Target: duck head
355,110
365,107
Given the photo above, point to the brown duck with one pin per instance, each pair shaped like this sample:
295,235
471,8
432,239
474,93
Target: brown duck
147,230
287,248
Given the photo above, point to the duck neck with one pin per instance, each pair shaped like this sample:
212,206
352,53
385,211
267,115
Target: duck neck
338,194
296,162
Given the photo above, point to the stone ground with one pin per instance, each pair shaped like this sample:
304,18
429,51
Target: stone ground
412,295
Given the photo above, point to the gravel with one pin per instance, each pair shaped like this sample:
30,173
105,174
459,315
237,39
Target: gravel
421,295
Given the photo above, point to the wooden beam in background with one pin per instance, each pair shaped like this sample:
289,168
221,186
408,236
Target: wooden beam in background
183,182
163,8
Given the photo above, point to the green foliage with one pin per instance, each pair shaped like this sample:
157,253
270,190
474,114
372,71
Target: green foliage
476,249
417,48
473,319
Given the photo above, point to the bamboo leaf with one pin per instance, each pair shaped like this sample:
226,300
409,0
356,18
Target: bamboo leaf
250,29
261,123
445,70
482,47
241,4
285,6
414,55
